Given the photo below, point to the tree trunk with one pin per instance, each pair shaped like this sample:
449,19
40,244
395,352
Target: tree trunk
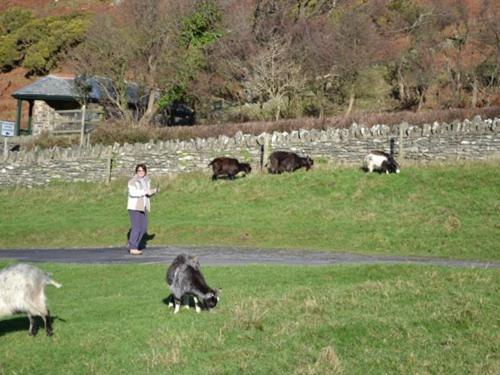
322,104
458,88
278,113
420,100
150,110
9,83
474,93
351,103
402,93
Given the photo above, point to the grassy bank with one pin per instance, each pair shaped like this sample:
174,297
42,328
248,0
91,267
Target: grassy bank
435,210
303,320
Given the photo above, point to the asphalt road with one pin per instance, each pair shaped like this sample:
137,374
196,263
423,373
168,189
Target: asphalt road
222,256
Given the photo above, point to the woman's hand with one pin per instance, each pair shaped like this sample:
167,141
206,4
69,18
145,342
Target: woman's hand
153,192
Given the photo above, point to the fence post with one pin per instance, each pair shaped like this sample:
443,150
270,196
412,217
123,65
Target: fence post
5,148
401,148
391,146
267,147
261,145
82,131
109,165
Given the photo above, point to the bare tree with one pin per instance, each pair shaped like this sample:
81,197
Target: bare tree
356,46
489,38
105,55
152,27
274,77
229,56
138,43
314,43
468,30
254,60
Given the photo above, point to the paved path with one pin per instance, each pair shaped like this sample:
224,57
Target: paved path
218,256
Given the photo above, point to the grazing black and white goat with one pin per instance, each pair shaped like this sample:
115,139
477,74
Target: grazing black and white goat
228,167
22,290
381,161
185,280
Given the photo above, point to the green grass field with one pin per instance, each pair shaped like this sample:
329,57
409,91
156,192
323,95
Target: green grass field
270,320
366,319
448,210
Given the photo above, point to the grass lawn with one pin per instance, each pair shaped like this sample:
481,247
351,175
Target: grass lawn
270,320
446,210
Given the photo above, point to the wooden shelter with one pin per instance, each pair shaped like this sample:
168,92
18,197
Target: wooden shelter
62,93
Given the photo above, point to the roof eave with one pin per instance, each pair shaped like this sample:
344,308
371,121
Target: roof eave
44,97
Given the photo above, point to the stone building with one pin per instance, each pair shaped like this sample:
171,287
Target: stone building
52,94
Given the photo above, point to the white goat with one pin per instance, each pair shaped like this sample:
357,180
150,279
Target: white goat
22,290
380,161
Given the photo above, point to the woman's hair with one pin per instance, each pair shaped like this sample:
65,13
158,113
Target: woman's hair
143,166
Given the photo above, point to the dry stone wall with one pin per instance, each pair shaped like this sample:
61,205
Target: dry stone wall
470,139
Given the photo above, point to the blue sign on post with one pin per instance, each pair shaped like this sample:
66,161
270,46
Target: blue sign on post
7,128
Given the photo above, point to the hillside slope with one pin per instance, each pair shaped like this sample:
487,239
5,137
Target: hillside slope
15,79
429,55
56,7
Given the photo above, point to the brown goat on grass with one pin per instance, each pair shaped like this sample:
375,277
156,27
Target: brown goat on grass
228,167
284,161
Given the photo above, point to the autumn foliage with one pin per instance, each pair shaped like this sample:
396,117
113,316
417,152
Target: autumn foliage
266,60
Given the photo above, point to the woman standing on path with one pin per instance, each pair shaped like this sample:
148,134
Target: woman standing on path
139,192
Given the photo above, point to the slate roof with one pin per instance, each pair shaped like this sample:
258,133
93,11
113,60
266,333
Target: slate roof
97,84
63,89
48,88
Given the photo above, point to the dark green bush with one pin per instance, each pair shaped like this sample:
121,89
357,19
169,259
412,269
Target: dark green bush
9,54
37,44
13,19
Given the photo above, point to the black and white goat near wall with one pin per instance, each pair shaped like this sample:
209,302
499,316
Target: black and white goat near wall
381,161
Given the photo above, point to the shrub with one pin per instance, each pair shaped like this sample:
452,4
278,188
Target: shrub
45,140
9,54
37,44
13,19
110,132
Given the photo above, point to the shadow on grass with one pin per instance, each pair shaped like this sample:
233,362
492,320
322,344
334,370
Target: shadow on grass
186,302
22,323
144,241
227,178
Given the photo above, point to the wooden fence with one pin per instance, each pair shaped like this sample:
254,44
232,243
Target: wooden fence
76,121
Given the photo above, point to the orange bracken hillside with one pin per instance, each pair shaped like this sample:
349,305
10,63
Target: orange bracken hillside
15,79
57,7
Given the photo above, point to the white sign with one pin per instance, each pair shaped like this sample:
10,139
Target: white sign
7,128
